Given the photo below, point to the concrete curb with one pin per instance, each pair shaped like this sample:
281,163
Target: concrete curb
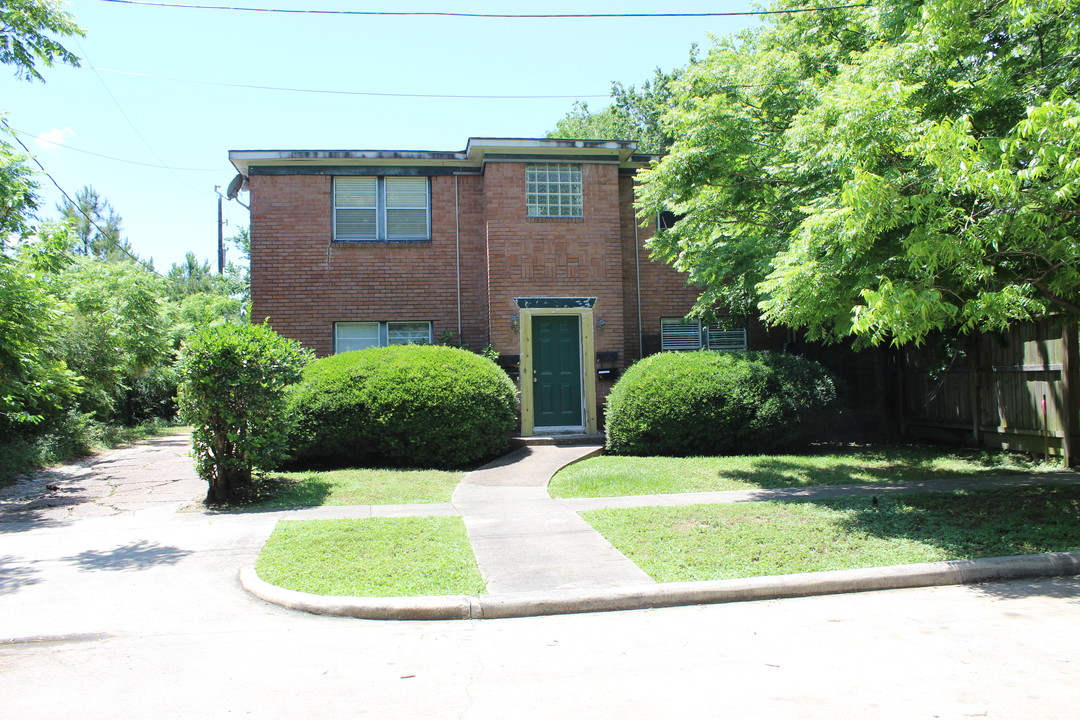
559,602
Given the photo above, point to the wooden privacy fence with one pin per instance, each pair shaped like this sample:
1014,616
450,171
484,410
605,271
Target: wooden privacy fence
1016,390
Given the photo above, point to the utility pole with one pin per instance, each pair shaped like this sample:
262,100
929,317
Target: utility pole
220,238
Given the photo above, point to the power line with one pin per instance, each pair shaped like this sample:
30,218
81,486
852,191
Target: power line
110,157
72,203
353,92
529,16
129,121
377,94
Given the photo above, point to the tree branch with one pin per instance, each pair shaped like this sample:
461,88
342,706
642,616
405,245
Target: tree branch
1057,299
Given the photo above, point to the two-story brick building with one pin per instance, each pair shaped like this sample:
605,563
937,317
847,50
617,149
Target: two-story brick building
530,245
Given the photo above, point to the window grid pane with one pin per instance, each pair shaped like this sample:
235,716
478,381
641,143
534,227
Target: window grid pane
680,334
408,333
553,190
381,208
726,340
355,336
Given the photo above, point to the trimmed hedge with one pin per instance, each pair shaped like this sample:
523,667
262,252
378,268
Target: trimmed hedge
425,406
711,403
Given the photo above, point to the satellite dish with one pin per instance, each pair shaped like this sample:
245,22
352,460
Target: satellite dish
238,183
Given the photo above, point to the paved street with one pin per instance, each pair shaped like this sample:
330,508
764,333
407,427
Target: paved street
138,614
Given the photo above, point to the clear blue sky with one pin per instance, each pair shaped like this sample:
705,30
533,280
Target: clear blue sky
191,126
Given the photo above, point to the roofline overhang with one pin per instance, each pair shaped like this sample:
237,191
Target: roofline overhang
477,152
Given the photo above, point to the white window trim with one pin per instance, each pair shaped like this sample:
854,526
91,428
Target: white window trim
691,335
384,331
380,212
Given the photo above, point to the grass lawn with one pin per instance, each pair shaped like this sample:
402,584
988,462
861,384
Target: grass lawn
372,557
356,487
713,542
613,476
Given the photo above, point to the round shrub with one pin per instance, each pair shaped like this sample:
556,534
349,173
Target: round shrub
711,403
404,405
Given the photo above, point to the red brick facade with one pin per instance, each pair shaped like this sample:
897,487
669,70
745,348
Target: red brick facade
482,254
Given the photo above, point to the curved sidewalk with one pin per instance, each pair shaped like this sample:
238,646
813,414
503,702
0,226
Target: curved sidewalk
539,557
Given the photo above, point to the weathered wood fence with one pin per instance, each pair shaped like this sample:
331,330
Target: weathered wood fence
1016,390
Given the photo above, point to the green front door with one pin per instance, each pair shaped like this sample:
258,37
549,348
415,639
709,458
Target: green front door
556,356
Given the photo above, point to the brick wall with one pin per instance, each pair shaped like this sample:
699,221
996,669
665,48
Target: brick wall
303,283
553,257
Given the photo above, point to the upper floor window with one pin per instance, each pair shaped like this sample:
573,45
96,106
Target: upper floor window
682,334
359,335
381,208
553,190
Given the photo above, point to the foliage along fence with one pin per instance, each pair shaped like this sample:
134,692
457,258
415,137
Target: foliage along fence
1016,390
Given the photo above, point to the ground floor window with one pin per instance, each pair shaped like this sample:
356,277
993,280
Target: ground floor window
359,335
683,334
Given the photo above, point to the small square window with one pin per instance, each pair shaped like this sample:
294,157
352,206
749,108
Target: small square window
553,190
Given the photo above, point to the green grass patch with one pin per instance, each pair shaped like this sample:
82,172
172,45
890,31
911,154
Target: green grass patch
613,476
355,487
372,557
714,542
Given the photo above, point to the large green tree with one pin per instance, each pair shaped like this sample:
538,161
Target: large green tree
27,28
883,172
634,114
96,226
35,382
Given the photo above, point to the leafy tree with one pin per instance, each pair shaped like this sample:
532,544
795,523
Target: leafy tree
35,382
634,114
18,199
96,226
25,29
883,172
233,392
189,278
115,335
242,241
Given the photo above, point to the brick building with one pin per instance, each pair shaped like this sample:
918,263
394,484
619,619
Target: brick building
529,245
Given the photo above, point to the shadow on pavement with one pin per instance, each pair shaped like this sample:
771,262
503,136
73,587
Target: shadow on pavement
134,556
15,573
1064,587
33,515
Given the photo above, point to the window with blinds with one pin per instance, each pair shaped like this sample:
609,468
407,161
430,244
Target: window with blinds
368,208
683,334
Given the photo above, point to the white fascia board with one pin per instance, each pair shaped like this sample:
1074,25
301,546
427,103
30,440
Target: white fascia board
244,159
623,152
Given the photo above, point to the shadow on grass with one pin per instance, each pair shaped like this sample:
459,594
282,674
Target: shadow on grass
969,524
888,464
270,492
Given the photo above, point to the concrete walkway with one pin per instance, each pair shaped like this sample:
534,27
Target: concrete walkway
525,541
536,554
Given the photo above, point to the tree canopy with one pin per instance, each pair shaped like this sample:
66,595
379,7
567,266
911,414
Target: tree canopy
882,172
26,27
634,114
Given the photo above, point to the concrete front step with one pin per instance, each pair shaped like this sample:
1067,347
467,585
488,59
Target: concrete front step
558,439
